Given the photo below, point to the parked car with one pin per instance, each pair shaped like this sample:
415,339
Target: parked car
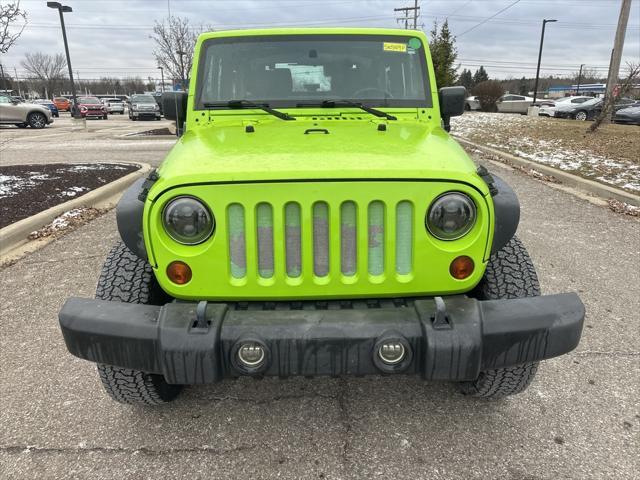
472,103
24,114
629,115
588,110
114,105
514,103
143,106
276,241
50,105
91,107
548,107
63,104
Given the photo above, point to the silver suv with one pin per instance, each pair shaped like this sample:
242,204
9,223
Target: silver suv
113,105
24,114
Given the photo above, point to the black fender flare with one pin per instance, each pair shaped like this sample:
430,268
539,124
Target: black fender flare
506,208
129,213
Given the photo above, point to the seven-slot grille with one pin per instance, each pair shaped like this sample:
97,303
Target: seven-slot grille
349,239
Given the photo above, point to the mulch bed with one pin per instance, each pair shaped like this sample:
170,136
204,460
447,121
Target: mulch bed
29,189
152,133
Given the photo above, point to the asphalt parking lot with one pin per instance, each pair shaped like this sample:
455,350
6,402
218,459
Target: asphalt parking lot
579,420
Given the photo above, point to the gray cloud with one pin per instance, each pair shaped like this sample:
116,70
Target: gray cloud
112,36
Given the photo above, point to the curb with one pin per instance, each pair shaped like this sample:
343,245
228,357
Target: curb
16,234
570,179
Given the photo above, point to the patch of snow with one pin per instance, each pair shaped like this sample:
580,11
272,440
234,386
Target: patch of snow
73,191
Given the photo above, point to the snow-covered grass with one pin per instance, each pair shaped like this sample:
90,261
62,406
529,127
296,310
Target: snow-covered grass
607,156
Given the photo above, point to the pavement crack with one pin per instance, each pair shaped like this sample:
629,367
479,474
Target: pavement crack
345,418
67,259
597,353
152,452
277,398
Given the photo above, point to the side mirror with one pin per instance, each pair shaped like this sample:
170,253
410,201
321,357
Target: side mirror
451,103
174,107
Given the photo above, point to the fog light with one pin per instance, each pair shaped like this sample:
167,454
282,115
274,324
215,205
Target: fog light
179,272
391,352
251,354
461,267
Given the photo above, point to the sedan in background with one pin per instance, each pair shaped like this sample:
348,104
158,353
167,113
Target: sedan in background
50,105
629,115
588,110
62,104
514,103
114,105
472,103
548,107
91,107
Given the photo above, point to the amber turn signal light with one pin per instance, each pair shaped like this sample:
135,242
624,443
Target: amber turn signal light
461,267
179,272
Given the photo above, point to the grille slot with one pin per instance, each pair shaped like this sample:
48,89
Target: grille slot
237,240
348,238
404,238
375,223
321,239
293,240
264,220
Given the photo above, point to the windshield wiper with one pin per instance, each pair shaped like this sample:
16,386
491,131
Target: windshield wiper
247,104
349,103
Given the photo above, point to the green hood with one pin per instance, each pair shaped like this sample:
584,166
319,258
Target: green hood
281,150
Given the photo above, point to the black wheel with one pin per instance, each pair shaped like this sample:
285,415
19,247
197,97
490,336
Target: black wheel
37,120
105,117
467,107
127,278
510,274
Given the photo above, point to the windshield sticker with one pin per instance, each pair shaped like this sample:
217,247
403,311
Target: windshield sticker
415,43
394,47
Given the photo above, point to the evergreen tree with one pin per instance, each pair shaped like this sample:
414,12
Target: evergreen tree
480,76
443,54
466,79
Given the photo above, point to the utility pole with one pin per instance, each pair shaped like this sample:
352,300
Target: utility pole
616,55
535,87
4,79
405,10
579,79
17,81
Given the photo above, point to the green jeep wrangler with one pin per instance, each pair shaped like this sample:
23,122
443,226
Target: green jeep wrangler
316,218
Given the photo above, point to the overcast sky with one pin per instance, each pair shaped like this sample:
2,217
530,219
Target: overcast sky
111,37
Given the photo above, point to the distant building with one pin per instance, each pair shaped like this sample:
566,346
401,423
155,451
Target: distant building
589,89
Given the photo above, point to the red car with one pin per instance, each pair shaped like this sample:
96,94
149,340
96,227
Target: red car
91,107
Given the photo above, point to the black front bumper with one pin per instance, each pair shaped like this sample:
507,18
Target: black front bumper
190,345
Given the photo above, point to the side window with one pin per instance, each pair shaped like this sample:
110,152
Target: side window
517,97
4,100
507,98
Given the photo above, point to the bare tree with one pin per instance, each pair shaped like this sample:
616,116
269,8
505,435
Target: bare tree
175,39
11,13
589,75
619,91
45,71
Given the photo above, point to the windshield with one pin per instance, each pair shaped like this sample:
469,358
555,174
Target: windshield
284,70
89,100
143,99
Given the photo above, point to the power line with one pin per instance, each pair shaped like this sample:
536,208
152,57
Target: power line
405,10
489,18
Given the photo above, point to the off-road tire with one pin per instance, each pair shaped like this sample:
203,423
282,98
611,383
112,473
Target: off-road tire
510,274
127,278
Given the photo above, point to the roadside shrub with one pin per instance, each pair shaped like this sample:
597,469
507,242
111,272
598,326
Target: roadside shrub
488,93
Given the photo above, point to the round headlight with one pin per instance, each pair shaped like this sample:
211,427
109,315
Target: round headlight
188,221
451,216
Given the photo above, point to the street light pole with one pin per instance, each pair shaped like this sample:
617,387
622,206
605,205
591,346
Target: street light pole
162,76
184,81
579,79
62,9
535,88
